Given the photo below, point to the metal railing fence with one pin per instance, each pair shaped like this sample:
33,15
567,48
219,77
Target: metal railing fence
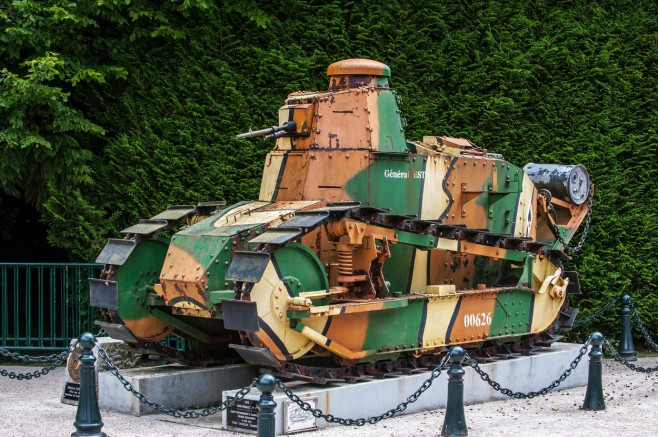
44,305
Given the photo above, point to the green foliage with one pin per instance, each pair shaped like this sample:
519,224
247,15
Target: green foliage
170,83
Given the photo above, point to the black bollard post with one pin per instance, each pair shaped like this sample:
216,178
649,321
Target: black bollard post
454,423
626,348
266,417
594,394
88,418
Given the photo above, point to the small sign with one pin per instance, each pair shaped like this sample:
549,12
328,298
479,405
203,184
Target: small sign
243,415
295,419
72,391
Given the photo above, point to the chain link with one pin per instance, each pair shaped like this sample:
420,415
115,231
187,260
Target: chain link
636,315
625,362
594,315
54,360
114,370
588,221
518,395
436,372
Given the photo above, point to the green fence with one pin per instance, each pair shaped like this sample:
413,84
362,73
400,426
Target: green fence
44,305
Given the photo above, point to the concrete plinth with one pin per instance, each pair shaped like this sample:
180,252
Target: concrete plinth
172,385
373,398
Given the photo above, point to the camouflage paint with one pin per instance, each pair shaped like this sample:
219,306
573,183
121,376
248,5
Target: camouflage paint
349,145
139,272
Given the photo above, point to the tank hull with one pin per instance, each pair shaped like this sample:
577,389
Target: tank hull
363,247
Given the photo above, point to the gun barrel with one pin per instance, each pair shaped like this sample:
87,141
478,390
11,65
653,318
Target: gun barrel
288,126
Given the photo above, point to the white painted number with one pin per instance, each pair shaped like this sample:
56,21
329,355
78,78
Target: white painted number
479,319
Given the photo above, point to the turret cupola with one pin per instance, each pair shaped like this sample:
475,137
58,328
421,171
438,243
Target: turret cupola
354,73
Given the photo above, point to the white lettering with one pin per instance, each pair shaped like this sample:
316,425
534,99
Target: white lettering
396,174
419,175
480,319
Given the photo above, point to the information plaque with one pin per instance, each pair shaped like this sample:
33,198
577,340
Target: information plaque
242,416
295,419
72,391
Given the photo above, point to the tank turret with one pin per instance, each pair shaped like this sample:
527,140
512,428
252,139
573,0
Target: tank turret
364,246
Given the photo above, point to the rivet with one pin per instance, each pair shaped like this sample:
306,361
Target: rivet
280,315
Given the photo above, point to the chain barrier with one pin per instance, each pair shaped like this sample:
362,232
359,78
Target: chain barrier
53,361
588,221
436,372
594,315
190,414
625,362
518,395
636,315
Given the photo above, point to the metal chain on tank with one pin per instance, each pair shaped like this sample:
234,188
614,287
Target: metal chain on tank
588,221
436,372
518,395
190,414
636,315
54,360
631,366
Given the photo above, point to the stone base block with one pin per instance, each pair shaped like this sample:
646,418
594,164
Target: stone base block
172,385
372,398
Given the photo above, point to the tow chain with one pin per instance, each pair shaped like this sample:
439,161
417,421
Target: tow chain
54,360
631,366
518,395
636,315
436,372
588,221
190,414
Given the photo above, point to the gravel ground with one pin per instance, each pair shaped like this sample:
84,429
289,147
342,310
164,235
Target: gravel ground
33,408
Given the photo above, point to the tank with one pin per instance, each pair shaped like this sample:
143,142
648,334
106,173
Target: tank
365,252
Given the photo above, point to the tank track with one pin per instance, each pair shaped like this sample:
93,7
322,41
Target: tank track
381,217
489,352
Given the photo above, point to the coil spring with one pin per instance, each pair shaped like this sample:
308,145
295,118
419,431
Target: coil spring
345,262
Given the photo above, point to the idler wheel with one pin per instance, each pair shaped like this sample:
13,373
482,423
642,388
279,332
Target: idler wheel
293,269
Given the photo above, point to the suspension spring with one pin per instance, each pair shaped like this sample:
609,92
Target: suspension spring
345,267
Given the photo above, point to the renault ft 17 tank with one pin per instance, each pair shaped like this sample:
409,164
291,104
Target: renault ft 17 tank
365,250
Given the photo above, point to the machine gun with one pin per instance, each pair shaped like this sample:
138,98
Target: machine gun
289,127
